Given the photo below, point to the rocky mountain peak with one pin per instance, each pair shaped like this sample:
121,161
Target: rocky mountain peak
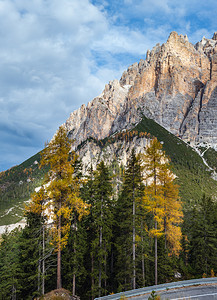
207,46
175,85
214,36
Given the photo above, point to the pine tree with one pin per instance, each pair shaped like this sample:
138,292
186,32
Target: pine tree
10,283
73,255
87,194
30,256
36,210
127,222
102,214
203,237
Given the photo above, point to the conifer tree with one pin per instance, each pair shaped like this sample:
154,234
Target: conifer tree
161,199
87,194
153,199
10,283
73,255
62,189
127,221
173,215
30,257
102,214
203,237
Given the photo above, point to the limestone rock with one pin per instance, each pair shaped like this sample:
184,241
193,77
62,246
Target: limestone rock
91,153
176,85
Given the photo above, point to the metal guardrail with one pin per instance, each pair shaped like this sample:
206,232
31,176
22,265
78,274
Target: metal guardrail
160,287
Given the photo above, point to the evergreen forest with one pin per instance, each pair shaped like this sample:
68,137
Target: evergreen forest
114,229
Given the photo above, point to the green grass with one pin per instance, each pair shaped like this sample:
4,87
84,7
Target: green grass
211,157
192,175
16,186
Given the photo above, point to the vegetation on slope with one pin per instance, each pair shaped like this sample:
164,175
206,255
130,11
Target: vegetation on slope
16,186
193,176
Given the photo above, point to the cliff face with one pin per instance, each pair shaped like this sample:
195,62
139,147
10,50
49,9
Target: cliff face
176,86
119,151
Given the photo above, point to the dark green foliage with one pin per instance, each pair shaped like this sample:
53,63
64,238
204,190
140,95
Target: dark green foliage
125,221
153,296
210,156
102,214
29,256
16,186
73,258
203,237
99,252
192,175
10,284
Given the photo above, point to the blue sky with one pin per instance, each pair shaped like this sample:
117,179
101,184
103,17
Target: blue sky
56,55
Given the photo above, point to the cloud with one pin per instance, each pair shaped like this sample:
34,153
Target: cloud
56,55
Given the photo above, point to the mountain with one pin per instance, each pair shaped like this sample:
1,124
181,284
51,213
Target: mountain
172,95
176,86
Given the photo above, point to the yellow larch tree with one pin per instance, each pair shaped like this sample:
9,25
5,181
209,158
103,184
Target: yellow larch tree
173,215
62,191
161,199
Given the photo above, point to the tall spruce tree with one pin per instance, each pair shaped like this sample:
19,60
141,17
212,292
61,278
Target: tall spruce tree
10,283
73,255
30,256
127,222
203,237
102,216
87,194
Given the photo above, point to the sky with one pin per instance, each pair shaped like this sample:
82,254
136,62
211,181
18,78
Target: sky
56,55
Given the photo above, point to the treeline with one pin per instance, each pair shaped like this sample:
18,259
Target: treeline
113,230
123,136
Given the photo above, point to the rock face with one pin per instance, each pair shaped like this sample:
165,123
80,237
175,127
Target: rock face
119,151
176,85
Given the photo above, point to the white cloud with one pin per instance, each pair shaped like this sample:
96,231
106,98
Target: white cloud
56,55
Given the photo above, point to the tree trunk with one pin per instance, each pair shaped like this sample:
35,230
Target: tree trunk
155,259
13,296
165,233
105,270
74,277
134,237
100,247
92,277
143,260
39,268
100,267
59,283
155,225
43,259
73,288
134,247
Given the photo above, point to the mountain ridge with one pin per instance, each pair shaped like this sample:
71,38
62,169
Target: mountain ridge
176,86
149,99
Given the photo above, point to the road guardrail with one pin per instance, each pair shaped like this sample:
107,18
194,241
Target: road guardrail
160,287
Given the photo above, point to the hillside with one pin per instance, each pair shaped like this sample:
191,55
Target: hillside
171,95
16,186
193,176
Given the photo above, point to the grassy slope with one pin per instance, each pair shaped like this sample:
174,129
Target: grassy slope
192,174
16,185
211,157
193,177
